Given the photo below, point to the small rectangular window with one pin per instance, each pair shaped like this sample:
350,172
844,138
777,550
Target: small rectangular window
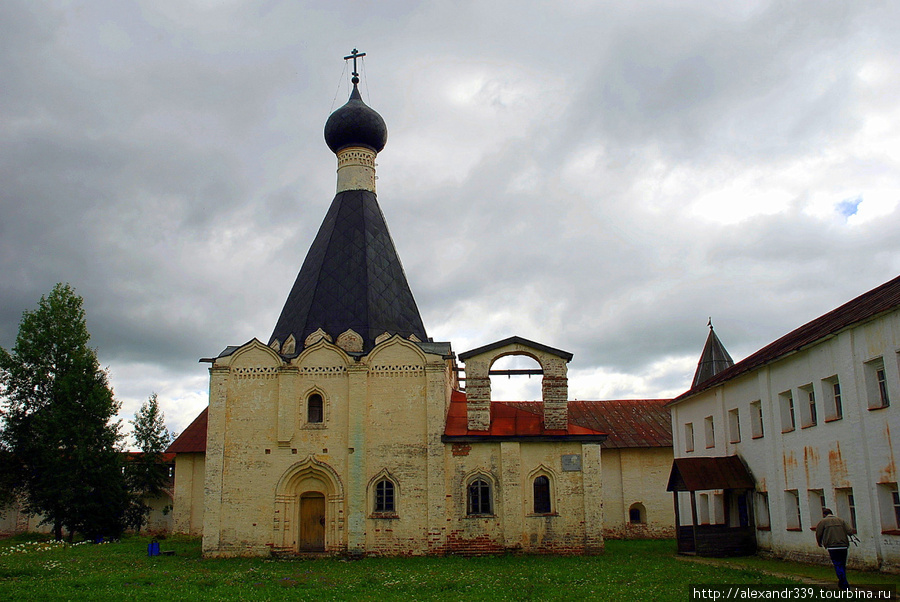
710,432
846,504
756,419
788,423
808,414
689,437
703,508
876,384
816,501
889,505
792,510
762,510
734,426
834,407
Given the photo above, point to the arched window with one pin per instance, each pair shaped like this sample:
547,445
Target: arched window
542,495
479,497
314,408
637,515
384,496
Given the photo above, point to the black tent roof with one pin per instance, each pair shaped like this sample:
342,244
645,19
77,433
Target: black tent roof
352,278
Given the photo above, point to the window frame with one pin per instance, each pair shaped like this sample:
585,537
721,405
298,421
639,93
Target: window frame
385,497
688,437
788,417
793,519
546,495
877,389
487,488
833,398
757,428
709,426
309,409
809,415
734,426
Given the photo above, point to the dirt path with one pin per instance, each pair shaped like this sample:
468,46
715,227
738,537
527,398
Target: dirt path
734,565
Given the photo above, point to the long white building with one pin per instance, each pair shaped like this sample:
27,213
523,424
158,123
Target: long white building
813,417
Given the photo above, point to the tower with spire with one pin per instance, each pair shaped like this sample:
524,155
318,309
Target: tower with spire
352,282
713,359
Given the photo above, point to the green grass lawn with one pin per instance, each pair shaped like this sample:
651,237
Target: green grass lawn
629,570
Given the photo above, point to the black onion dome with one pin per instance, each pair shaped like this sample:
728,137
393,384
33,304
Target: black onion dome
355,124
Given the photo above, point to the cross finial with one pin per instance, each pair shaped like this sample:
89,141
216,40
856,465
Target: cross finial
709,323
355,55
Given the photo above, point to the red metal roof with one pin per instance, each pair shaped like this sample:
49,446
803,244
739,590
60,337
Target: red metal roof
193,439
630,423
868,305
508,419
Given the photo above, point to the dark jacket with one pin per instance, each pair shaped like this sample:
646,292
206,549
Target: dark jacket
833,532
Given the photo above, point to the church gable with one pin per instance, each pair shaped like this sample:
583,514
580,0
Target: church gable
396,354
322,357
252,355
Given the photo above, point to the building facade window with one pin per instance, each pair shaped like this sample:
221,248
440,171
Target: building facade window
808,414
734,426
834,407
541,490
710,428
792,510
703,508
478,498
637,514
689,437
762,510
384,496
876,384
816,501
756,419
315,409
846,504
788,422
889,505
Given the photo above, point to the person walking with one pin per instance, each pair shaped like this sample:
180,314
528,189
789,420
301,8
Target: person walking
833,534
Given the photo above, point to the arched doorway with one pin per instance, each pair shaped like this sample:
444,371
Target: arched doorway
312,522
309,500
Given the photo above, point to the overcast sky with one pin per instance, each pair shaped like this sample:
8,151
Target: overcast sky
599,177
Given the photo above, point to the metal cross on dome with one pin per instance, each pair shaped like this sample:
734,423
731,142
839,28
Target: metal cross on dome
355,55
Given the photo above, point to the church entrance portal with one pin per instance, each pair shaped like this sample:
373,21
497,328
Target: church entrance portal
312,522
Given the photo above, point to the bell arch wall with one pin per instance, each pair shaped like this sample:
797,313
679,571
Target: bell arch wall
554,384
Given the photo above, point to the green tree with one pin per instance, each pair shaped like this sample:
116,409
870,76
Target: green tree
58,421
148,476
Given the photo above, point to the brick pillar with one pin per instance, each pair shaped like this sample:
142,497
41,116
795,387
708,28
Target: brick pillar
356,461
592,480
555,393
478,408
478,394
215,460
287,404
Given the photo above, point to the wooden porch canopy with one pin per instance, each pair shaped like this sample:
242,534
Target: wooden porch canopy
697,474
738,535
